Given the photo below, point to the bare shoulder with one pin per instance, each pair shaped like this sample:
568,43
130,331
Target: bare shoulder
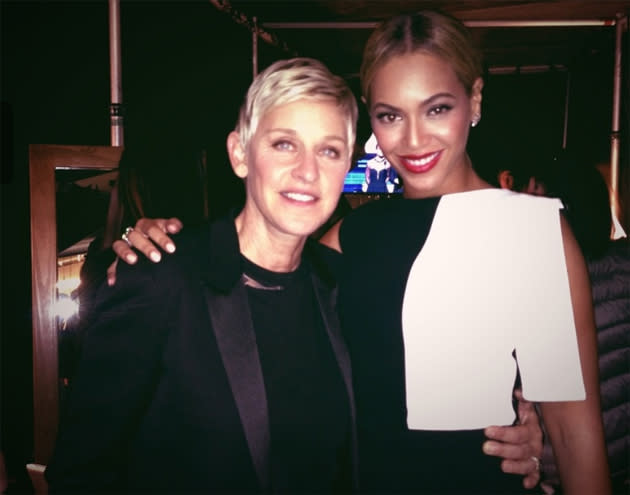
579,285
573,254
331,237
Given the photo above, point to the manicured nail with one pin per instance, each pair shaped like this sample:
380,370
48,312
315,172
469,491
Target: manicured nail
131,258
170,247
155,256
488,448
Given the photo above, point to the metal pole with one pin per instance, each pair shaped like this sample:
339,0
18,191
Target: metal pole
115,107
614,137
255,48
567,99
372,25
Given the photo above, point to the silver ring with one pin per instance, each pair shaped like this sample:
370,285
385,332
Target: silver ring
536,462
125,236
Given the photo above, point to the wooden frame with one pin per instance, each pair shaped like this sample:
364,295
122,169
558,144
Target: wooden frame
43,161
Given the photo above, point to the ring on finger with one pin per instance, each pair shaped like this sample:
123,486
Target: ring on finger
536,462
125,236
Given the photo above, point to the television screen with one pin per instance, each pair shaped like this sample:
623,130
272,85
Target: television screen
372,173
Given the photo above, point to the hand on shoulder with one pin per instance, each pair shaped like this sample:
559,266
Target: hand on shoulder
145,237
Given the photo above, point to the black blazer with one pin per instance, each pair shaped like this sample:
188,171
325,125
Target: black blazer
169,395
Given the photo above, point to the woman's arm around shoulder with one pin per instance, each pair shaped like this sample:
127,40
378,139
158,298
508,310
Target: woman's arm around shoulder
575,427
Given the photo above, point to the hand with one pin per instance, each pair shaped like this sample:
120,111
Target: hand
145,235
520,446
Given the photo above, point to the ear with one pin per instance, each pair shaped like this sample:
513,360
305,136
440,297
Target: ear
475,98
237,154
506,179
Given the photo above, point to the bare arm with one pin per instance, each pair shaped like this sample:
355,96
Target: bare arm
575,427
150,233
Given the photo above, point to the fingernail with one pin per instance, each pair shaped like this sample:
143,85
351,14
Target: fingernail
488,448
170,247
155,256
131,258
110,281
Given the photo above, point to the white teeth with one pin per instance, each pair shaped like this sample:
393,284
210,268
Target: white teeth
423,161
299,196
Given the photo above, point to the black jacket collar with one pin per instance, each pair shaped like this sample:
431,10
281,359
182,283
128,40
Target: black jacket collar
223,268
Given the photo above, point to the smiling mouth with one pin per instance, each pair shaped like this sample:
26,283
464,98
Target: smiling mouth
420,164
299,197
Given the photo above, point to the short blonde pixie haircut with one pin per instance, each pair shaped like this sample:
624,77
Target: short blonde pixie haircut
431,32
286,81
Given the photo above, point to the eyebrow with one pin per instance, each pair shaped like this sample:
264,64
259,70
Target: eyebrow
288,130
424,103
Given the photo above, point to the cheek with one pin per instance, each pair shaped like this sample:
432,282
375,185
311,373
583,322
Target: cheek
453,132
332,177
386,137
265,167
336,178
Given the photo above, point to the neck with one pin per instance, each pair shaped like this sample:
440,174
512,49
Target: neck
466,180
269,250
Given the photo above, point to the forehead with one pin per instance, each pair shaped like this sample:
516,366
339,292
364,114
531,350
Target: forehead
414,75
306,116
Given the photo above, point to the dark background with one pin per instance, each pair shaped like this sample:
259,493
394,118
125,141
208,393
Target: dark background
186,66
185,69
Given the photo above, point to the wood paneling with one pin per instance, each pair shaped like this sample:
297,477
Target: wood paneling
43,161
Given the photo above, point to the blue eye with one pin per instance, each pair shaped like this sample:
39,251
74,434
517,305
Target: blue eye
332,152
283,145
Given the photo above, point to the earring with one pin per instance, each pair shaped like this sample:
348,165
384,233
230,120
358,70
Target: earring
475,120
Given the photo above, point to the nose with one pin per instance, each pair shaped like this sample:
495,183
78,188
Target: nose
415,133
307,168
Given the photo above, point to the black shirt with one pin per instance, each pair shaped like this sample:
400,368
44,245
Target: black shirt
308,405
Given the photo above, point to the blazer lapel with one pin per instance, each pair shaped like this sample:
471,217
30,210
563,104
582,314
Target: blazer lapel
326,298
232,325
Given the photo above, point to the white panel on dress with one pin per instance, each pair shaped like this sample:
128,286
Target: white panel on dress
490,278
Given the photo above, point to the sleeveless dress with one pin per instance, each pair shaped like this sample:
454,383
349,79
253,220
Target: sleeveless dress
472,284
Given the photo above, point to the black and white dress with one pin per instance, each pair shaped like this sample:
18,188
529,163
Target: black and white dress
473,289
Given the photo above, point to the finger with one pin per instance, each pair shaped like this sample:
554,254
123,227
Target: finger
527,469
144,224
111,273
531,480
157,235
508,451
144,245
123,251
516,434
174,225
156,229
526,409
170,225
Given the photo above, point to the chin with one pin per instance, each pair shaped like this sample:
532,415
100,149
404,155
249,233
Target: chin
431,185
301,229
422,190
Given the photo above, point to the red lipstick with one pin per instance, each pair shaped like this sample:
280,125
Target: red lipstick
420,164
